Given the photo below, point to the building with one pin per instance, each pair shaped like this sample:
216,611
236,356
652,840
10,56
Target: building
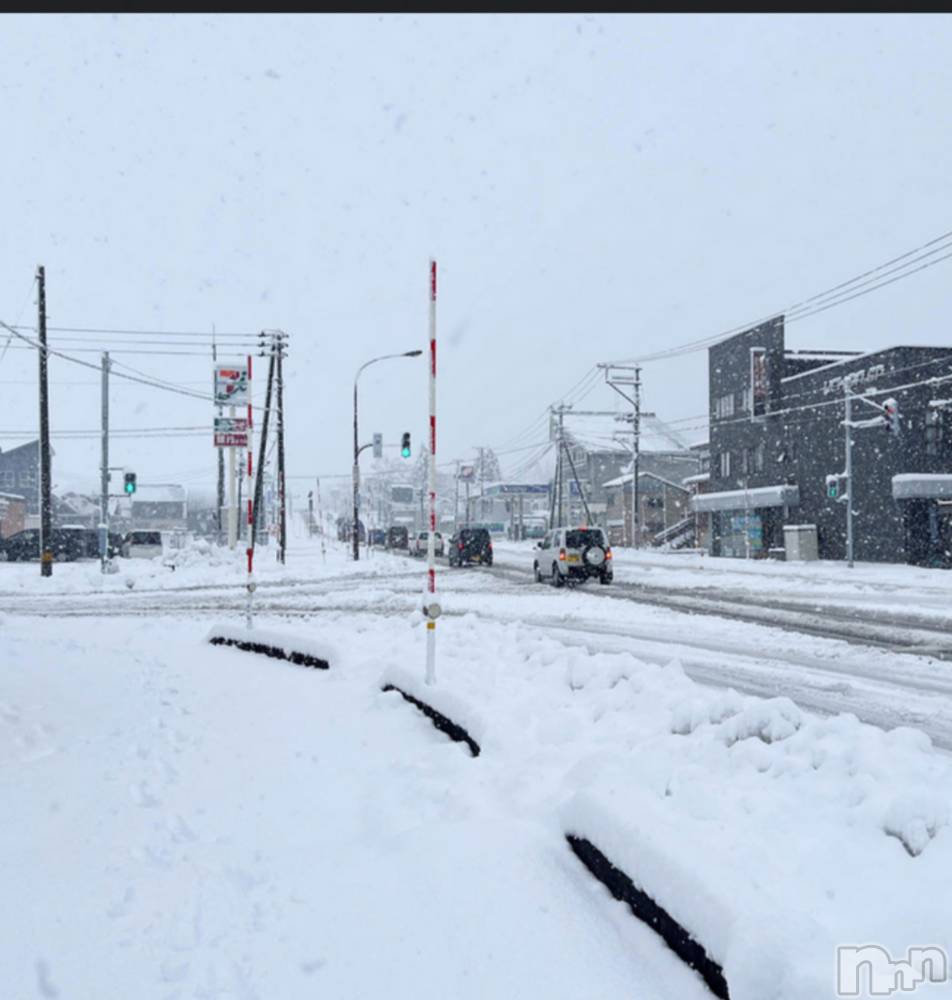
12,514
160,506
665,514
20,474
777,433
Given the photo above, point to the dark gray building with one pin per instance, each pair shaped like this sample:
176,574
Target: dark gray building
777,432
20,473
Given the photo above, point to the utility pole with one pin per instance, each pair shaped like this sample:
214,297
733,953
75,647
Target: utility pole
320,522
259,478
456,501
849,473
282,482
622,378
46,501
104,469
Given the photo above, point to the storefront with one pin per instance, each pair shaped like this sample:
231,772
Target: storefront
747,524
925,500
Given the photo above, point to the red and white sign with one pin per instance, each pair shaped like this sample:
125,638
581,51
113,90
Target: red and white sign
231,440
231,432
231,385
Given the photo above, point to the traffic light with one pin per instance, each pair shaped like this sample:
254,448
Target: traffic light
832,487
891,416
405,445
130,483
378,446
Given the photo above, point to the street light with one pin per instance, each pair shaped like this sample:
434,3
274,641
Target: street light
357,449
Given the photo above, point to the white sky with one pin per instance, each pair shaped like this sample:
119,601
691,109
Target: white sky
593,187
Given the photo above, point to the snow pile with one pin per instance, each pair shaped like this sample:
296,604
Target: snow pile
771,835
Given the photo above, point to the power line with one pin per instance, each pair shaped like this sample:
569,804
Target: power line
838,294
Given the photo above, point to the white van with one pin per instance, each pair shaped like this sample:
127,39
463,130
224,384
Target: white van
142,545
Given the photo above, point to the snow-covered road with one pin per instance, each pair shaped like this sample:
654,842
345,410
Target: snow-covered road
881,680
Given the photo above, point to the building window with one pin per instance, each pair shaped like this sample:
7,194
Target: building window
745,400
743,464
936,432
758,457
725,464
9,478
724,406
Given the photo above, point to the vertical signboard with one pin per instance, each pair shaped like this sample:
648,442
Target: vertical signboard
231,385
759,386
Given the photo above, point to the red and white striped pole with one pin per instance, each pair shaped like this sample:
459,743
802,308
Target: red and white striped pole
432,607
251,499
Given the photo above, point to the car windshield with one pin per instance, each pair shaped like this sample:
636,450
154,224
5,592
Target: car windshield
145,538
583,537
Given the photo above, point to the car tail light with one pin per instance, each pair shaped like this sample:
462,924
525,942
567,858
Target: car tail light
608,553
460,546
562,554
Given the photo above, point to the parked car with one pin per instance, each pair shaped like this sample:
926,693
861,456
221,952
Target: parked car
573,555
398,537
418,546
471,545
142,545
378,536
66,544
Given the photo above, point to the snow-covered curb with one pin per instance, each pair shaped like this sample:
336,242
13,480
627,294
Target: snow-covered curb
279,645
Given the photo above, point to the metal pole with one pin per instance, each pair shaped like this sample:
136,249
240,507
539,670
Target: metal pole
251,524
636,462
354,530
232,486
849,475
432,607
220,493
104,469
46,500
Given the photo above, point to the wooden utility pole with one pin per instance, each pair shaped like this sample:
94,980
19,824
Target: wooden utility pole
46,500
259,479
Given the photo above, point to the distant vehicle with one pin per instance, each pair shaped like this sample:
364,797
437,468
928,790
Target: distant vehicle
471,545
572,555
418,547
534,531
142,545
378,536
66,544
398,537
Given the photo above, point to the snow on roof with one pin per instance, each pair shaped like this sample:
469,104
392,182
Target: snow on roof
782,495
159,493
858,357
701,477
922,486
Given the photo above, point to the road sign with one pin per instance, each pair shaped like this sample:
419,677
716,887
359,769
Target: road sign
231,425
231,440
231,385
231,432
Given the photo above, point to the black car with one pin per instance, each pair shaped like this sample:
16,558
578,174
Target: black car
66,544
471,545
378,537
398,537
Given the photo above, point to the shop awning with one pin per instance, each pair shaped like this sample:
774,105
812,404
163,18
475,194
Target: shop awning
922,486
783,495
